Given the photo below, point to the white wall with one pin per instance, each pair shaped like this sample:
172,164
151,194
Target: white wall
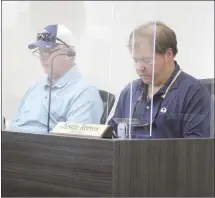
102,58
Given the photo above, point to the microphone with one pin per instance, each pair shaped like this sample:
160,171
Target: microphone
70,53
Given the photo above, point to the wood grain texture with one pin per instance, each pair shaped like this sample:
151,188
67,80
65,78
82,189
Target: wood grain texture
52,166
57,166
163,168
115,179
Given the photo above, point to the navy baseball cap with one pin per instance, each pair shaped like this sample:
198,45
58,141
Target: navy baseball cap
54,31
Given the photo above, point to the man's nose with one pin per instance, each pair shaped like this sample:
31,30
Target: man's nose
42,58
141,66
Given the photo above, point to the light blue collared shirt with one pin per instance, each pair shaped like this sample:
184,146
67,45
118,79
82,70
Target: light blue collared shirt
73,100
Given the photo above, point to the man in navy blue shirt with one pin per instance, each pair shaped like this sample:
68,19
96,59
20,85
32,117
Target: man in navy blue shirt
181,104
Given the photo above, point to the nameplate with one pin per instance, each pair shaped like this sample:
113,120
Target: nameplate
92,130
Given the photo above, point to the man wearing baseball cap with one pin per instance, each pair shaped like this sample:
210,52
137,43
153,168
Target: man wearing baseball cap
73,99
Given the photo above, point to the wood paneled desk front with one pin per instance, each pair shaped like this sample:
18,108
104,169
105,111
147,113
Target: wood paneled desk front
46,165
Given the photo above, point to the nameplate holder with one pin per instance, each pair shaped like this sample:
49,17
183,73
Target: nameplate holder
83,130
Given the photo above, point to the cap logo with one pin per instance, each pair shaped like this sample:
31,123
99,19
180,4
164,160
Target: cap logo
45,31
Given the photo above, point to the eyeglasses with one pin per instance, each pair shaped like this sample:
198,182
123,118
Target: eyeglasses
44,53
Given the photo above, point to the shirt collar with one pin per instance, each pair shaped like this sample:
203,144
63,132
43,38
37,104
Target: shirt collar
69,76
168,82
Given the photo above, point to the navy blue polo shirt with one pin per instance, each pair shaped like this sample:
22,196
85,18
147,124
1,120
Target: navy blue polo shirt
183,113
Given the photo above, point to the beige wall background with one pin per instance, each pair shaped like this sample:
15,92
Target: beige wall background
101,31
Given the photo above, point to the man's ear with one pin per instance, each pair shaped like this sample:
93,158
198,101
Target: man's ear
169,54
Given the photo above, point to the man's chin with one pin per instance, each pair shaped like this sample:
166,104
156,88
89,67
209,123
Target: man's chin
146,79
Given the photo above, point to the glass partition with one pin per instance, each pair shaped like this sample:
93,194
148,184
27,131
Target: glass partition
177,103
140,56
20,69
132,54
186,109
46,84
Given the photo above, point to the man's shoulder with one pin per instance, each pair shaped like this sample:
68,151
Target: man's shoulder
35,85
33,90
192,84
84,84
83,87
133,85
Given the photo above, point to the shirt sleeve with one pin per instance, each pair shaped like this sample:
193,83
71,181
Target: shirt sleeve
87,108
20,106
196,120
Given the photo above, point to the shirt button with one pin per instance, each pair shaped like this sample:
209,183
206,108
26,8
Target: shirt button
147,107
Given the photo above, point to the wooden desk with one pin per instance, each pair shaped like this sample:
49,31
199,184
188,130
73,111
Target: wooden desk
46,165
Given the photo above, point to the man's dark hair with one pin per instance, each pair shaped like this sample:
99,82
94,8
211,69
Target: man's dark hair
165,36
